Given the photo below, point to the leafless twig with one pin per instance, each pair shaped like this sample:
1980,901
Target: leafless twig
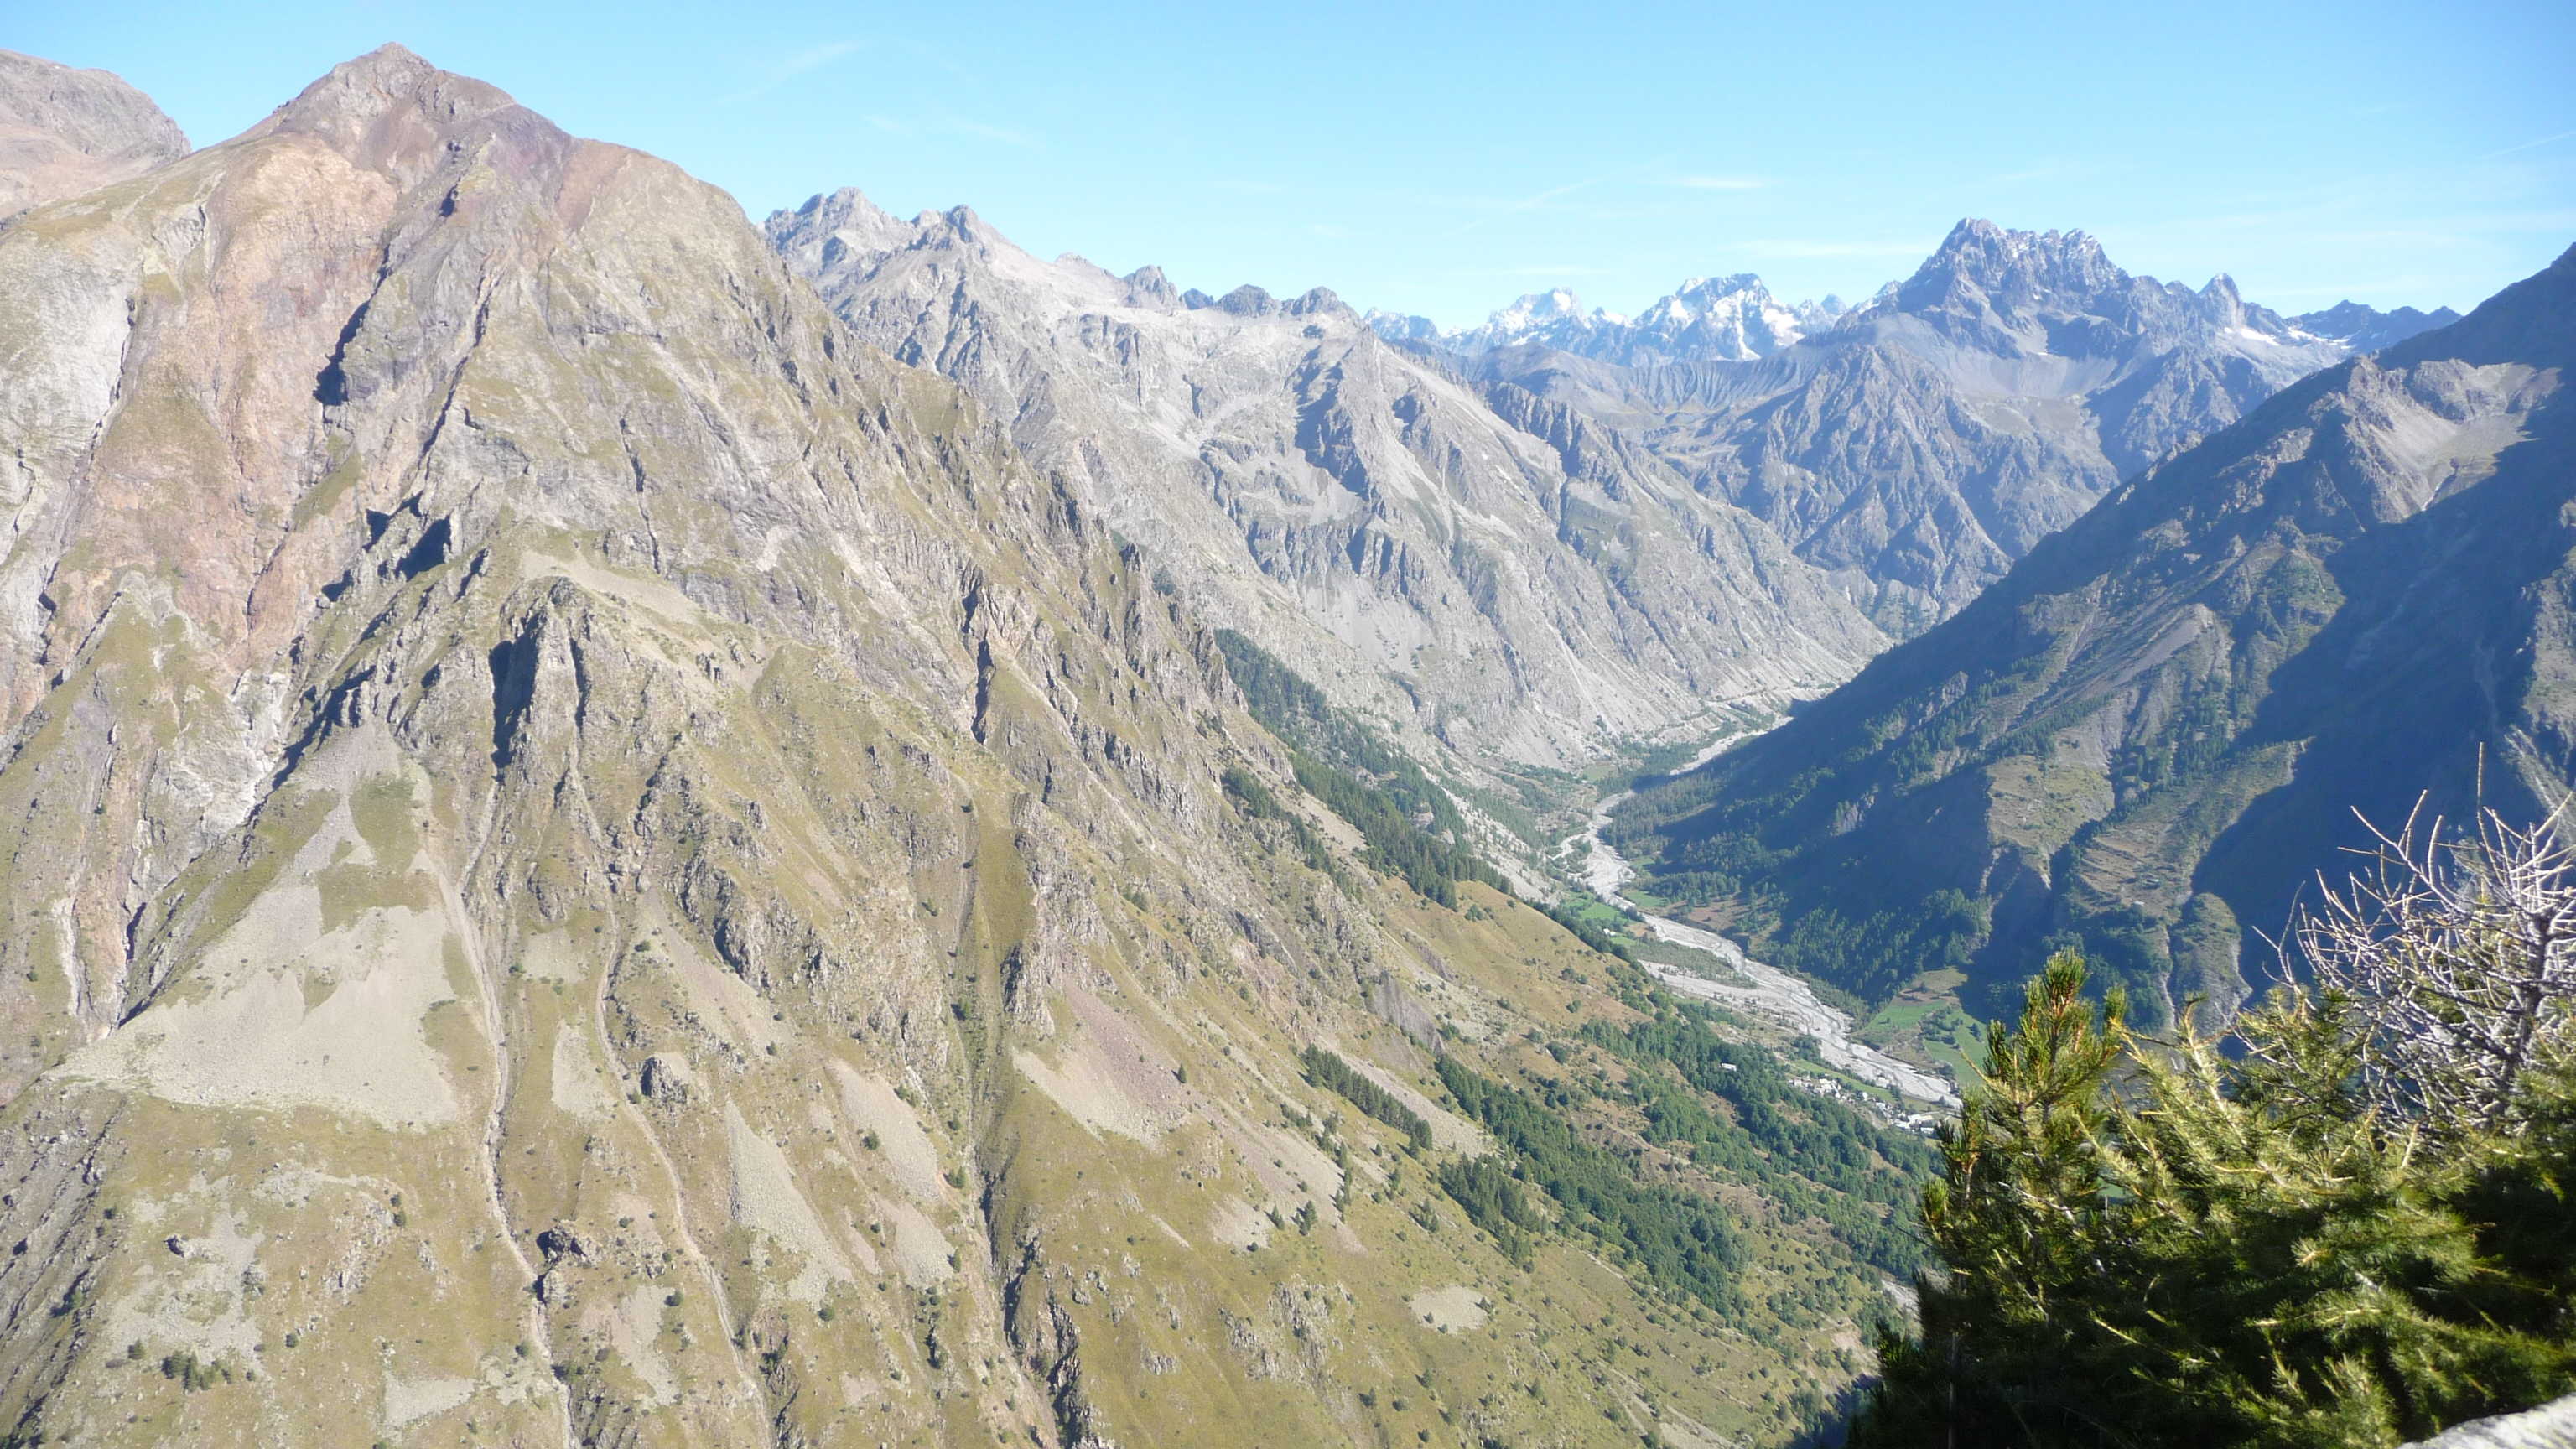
2454,959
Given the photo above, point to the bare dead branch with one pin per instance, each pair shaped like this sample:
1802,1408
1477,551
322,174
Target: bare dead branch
2452,957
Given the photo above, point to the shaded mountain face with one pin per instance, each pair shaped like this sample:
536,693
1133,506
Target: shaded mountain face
1916,446
593,860
2152,734
1468,557
64,131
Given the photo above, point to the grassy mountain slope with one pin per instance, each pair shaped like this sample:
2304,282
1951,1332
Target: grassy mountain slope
2152,733
591,860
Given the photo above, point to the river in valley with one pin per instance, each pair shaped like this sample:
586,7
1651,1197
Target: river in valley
1757,987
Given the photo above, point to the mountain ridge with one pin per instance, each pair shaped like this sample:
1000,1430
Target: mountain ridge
596,860
1931,436
2152,731
1486,564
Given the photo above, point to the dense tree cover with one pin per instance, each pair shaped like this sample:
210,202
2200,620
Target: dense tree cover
1590,933
1494,1201
1815,1157
2322,1237
1677,1239
1874,957
1326,1069
1260,803
1408,825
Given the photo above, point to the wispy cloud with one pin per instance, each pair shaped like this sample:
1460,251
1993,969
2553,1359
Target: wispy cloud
1329,232
1721,183
803,62
1557,271
1247,188
1798,247
2531,145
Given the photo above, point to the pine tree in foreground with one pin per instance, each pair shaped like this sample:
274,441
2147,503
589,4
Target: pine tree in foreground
2354,1228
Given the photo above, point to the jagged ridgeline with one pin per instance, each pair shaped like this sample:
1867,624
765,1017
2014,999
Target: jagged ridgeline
1504,576
591,860
1915,446
2153,734
1411,826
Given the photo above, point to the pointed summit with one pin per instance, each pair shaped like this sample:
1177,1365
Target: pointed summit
1553,318
1732,318
391,111
837,224
1555,305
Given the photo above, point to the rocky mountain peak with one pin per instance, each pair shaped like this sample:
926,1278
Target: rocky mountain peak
1402,326
841,222
1248,301
1557,304
1318,301
962,223
2224,306
1732,318
64,131
391,111
1149,287
833,225
1983,271
1714,288
356,95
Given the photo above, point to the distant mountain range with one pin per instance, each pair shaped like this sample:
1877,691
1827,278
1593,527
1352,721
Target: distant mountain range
2154,731
1725,319
1450,550
1916,445
1736,318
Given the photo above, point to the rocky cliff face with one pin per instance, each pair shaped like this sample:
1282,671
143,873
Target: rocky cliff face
2154,731
1916,446
1468,557
592,860
64,131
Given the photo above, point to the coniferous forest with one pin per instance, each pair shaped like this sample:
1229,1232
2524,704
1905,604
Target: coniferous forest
2346,1222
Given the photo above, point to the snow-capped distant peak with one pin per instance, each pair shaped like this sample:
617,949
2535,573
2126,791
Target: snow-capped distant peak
1549,306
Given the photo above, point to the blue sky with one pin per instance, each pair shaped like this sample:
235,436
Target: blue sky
1443,158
